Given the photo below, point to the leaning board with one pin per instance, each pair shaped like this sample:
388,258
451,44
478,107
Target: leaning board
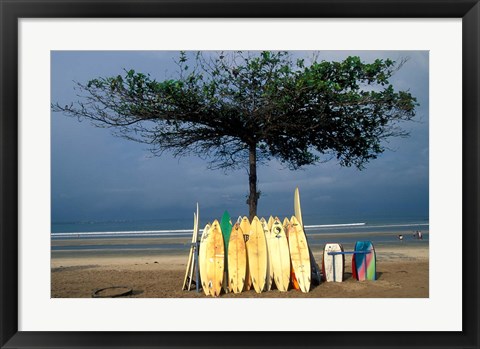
365,264
257,255
215,259
245,226
237,260
202,259
330,260
293,278
226,227
280,256
299,254
267,232
187,281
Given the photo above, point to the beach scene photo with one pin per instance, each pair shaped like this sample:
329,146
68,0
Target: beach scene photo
240,174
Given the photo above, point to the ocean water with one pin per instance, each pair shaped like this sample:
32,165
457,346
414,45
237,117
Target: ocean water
346,230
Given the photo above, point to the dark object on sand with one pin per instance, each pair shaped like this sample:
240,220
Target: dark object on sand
112,292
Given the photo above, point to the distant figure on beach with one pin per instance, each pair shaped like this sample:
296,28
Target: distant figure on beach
418,235
400,237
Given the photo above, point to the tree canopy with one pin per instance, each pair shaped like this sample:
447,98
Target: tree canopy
237,109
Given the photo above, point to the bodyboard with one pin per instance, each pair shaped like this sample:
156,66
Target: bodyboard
365,264
328,261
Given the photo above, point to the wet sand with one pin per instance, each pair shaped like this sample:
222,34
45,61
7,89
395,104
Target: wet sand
402,271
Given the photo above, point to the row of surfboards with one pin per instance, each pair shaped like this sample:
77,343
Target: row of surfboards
255,234
266,254
257,254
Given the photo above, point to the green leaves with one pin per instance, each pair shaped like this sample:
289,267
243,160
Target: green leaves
218,106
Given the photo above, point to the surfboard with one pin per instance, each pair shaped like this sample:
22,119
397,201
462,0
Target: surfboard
315,272
330,261
364,264
280,253
296,206
285,222
215,259
293,278
245,225
257,255
267,232
270,223
202,259
187,281
299,254
237,260
197,247
226,226
194,265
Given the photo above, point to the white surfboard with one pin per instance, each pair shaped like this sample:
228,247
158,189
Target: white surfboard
333,266
280,256
202,259
267,232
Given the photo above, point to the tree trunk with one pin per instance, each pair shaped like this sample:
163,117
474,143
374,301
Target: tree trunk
252,180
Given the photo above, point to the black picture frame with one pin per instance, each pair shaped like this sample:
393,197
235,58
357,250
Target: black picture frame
12,11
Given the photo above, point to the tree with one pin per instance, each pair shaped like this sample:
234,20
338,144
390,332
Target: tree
239,109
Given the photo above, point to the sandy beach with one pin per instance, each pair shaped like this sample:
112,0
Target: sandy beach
402,271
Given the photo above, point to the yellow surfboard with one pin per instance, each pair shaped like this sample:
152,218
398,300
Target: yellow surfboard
215,259
270,223
296,206
293,278
298,214
285,223
257,255
202,259
299,254
237,260
267,232
280,256
245,226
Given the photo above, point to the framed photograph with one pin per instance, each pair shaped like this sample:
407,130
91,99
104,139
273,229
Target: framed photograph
142,143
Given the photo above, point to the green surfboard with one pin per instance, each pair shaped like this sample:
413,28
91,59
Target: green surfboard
226,226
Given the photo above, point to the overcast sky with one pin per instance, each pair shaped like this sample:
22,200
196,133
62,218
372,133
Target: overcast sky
98,177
